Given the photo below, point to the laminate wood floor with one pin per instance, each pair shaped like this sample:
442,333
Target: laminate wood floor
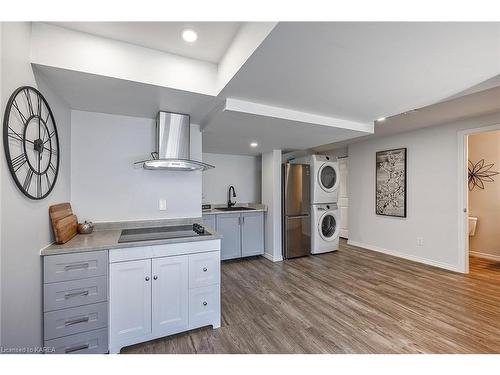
350,301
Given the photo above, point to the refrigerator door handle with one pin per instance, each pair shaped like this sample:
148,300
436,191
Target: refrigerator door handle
296,216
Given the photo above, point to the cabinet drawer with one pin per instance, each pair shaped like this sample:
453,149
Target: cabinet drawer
204,306
204,269
73,293
74,266
93,342
77,319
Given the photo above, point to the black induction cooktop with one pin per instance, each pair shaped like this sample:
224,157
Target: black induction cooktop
162,233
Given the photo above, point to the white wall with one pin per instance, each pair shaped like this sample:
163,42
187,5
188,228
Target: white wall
271,197
105,185
1,172
243,172
432,195
25,223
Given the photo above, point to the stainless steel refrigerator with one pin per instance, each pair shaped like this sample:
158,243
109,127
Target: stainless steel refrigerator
296,210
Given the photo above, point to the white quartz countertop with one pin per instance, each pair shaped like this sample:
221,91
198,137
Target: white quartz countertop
106,235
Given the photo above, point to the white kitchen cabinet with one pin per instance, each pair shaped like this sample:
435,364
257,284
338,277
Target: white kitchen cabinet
204,269
242,234
175,288
130,301
170,295
228,225
252,233
204,306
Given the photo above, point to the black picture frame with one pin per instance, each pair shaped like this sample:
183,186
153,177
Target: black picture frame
399,188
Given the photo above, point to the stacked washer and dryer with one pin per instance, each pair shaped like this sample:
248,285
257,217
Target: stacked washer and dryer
325,216
311,219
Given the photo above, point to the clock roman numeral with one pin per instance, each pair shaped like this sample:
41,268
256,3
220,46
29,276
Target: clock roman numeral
48,180
52,151
39,102
18,162
27,180
52,168
39,188
29,102
23,118
15,135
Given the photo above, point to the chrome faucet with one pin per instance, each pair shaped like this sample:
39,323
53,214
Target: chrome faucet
229,202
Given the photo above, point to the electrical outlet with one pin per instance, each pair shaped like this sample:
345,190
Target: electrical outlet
420,241
163,205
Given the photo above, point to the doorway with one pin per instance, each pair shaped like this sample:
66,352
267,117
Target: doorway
471,158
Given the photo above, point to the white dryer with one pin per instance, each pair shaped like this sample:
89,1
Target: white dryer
325,179
325,228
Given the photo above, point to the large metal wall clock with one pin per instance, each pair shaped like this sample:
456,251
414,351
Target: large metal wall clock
31,143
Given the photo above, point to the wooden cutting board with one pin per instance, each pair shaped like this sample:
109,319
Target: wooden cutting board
64,223
58,211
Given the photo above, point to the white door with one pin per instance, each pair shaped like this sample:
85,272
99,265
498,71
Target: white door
343,202
170,295
129,301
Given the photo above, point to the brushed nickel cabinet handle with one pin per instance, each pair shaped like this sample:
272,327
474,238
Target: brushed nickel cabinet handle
76,348
155,277
77,266
205,303
76,321
147,278
205,269
82,293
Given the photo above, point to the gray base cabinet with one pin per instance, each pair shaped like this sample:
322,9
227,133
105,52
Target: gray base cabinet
243,233
209,221
75,302
229,226
252,234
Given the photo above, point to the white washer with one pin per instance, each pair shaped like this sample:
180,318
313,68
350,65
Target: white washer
325,228
324,179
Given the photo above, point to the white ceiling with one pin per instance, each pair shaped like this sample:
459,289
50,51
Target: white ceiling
456,109
232,133
213,37
363,71
93,93
350,71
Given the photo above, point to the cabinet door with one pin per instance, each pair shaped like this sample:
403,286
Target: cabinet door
252,233
129,300
170,295
229,226
209,221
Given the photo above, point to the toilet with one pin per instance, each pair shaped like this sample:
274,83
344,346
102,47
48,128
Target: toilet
472,225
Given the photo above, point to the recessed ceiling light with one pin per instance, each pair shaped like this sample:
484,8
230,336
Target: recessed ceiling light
189,35
254,144
381,119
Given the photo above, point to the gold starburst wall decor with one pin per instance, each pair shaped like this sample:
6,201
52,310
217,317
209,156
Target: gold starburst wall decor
480,173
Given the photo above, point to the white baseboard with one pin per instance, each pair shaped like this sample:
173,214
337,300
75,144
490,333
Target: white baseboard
272,258
430,262
477,254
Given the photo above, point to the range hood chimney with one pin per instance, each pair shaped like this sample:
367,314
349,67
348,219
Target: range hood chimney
172,145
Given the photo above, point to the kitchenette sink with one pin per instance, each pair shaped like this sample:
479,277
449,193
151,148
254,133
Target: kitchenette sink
235,209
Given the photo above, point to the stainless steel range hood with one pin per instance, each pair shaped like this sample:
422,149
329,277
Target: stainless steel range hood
172,145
